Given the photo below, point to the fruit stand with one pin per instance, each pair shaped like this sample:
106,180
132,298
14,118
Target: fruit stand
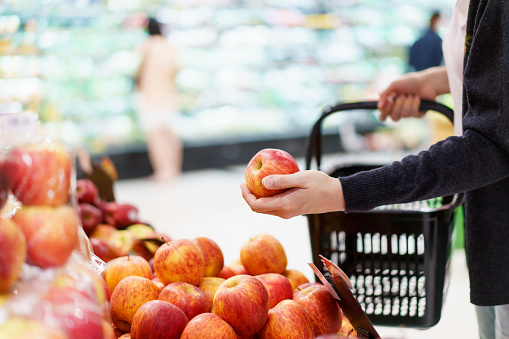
78,263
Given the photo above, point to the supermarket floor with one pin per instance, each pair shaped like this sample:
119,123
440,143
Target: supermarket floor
209,203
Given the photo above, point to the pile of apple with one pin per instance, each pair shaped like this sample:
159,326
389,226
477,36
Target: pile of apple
187,292
114,228
48,287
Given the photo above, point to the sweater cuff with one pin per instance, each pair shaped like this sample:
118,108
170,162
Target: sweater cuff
366,190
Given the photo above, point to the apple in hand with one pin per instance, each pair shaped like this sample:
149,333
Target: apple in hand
266,162
129,295
243,302
125,266
325,313
179,260
51,233
187,297
39,174
86,191
263,254
158,319
91,216
295,277
13,253
278,287
288,319
209,286
212,255
208,325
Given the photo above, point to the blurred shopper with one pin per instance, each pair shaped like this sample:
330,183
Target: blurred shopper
427,52
475,162
157,103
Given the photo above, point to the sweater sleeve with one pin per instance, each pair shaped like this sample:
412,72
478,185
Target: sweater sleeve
457,164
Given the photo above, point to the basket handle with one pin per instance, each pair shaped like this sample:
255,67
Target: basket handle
314,142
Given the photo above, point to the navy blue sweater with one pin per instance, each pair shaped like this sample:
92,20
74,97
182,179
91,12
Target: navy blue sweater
476,163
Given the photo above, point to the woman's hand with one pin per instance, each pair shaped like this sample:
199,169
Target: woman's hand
308,192
402,97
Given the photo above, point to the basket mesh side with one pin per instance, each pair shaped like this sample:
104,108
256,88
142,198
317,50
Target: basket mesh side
386,271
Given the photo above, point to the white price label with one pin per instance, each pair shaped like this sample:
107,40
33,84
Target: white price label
25,122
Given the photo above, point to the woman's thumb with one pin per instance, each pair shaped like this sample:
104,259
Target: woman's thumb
279,181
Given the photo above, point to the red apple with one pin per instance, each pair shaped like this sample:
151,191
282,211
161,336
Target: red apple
288,319
74,308
91,216
125,266
129,295
39,174
305,285
158,319
187,297
209,285
51,233
226,272
278,287
296,278
212,255
179,260
120,215
13,253
263,254
267,162
123,241
238,268
103,249
103,231
243,302
325,313
208,325
86,191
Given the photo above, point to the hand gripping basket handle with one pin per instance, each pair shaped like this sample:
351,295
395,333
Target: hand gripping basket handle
314,143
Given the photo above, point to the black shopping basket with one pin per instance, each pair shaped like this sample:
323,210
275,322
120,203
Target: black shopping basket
397,256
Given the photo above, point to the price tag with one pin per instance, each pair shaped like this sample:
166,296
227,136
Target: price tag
18,123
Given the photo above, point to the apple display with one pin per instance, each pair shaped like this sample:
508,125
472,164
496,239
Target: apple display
278,287
13,253
125,266
91,216
263,253
208,325
39,174
179,260
268,162
212,256
209,285
86,191
129,295
51,233
187,297
243,302
325,313
288,319
158,319
296,277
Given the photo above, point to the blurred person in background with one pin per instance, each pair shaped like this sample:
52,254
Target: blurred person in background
157,103
427,52
474,161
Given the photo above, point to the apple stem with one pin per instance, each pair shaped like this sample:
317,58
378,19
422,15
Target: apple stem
162,239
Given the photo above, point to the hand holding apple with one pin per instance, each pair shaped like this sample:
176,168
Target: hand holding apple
267,162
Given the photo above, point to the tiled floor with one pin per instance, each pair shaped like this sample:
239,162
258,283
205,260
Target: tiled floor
209,203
